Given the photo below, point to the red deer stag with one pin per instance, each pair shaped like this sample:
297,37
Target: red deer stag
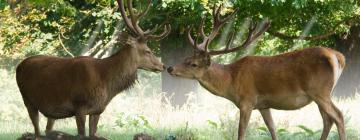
65,87
287,81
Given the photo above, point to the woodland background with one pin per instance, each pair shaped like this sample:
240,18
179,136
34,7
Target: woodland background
162,105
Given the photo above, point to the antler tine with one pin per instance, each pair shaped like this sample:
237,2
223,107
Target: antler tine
134,19
148,32
229,42
146,10
266,25
189,38
250,38
166,32
217,13
196,44
193,43
214,11
206,45
218,22
252,28
123,14
201,28
133,22
229,17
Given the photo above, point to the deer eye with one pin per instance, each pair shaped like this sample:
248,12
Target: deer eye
148,52
193,65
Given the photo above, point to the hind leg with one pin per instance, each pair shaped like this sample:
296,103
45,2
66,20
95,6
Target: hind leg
327,124
325,104
34,116
266,114
340,124
49,125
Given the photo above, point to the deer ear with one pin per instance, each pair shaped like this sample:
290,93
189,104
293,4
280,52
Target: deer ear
125,39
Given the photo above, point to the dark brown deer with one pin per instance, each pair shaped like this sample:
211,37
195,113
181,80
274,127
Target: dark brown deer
65,87
287,81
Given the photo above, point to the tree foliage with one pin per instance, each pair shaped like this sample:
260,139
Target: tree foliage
54,26
50,27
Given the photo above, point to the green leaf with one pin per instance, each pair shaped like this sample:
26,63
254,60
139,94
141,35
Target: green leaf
306,129
212,123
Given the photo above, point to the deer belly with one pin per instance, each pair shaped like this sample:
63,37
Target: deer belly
58,111
289,102
68,109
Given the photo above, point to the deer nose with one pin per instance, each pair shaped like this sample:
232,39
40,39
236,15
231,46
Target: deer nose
170,69
164,67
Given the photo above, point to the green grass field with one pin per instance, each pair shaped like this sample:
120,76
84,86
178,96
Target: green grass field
203,117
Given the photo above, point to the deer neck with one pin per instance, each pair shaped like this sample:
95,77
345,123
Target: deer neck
120,70
216,79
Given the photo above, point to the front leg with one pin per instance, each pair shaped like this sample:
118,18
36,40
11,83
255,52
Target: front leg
245,113
93,121
266,114
80,122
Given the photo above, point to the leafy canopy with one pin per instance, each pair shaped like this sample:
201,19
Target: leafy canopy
51,26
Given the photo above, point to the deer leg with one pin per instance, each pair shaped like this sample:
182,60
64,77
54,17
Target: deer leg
327,122
49,125
34,116
266,114
93,121
80,122
245,114
334,113
339,122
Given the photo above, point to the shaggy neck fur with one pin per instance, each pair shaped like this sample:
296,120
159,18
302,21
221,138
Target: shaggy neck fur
121,70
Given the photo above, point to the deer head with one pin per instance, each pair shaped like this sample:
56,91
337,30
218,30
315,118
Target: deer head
194,66
136,38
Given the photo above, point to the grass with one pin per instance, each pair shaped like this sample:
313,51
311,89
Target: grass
203,117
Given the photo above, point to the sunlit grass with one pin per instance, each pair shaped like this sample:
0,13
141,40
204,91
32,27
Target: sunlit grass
203,117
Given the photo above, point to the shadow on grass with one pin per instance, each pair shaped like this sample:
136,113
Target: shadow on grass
198,134
58,135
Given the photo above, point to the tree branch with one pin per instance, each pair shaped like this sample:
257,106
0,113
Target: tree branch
95,49
291,37
63,46
317,37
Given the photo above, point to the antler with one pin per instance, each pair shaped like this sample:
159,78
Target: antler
218,23
253,34
133,22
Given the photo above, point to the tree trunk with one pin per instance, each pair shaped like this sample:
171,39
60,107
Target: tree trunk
349,45
173,50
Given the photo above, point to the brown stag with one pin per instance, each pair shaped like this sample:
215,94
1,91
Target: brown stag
66,87
287,81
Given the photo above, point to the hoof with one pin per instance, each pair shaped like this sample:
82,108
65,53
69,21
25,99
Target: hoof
142,136
30,136
58,135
